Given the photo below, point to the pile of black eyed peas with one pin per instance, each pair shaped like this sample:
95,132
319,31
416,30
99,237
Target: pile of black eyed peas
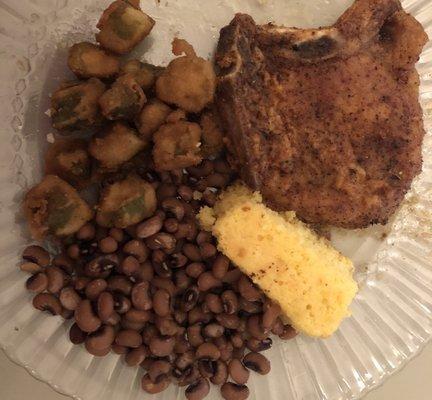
160,293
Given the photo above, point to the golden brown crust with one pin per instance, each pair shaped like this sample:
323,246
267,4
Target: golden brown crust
331,128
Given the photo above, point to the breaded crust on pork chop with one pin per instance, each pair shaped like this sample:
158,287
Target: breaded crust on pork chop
325,122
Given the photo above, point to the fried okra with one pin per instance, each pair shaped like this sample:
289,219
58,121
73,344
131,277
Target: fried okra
115,145
126,203
75,105
87,60
189,81
53,207
211,136
177,146
145,74
122,26
151,117
134,3
123,100
70,160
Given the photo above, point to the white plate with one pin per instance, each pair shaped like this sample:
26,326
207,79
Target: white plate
392,317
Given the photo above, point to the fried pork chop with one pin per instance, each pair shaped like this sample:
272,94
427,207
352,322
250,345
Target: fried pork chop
325,122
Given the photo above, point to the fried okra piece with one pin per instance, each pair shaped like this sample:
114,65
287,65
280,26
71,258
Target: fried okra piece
134,3
124,100
87,60
211,136
122,26
75,105
126,203
151,117
177,146
115,145
176,116
70,160
53,207
145,74
188,82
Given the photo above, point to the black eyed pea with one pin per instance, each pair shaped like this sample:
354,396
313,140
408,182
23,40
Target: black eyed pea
173,207
288,333
162,346
248,290
130,266
238,371
257,346
152,388
271,313
37,283
56,279
85,317
136,356
136,248
207,281
255,328
47,302
128,338
114,319
30,267
127,324
140,296
208,351
207,250
194,335
194,270
198,390
76,335
229,302
37,255
206,367
166,326
94,288
149,227
105,306
120,350
185,359
69,298
233,391
220,375
257,362
120,284
213,330
220,266
97,342
159,369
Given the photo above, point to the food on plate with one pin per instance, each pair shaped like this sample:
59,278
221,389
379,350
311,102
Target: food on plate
74,106
177,145
87,60
145,74
311,282
211,135
189,81
178,268
53,207
122,27
69,159
134,3
115,145
159,292
325,122
126,203
151,118
123,100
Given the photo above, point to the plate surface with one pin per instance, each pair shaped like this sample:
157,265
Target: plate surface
392,315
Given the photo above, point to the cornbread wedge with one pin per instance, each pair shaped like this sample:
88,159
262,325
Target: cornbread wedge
311,281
